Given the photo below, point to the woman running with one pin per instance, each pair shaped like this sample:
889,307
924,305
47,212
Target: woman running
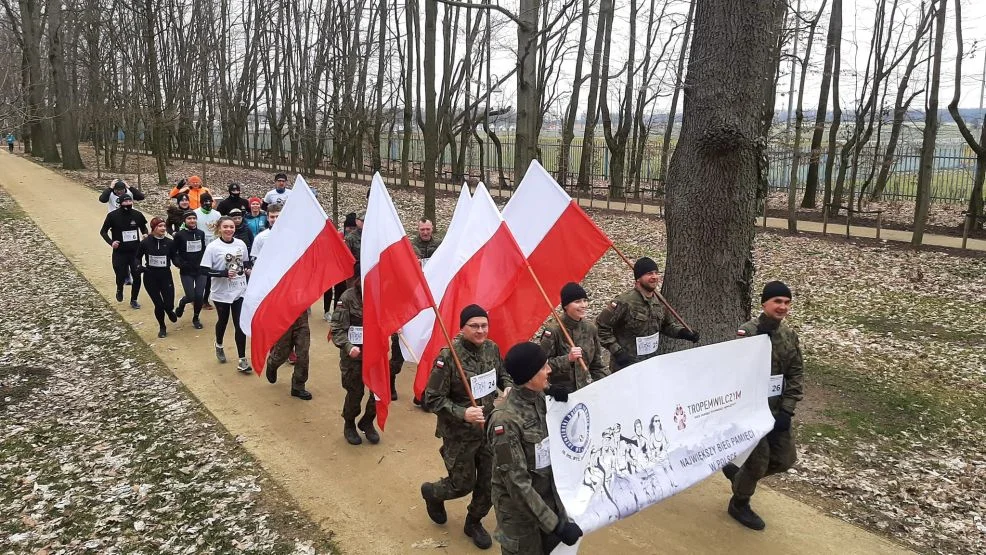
154,256
227,261
176,214
189,247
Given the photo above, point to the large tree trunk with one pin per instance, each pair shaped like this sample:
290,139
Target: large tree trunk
792,191
831,50
528,107
979,147
927,168
42,142
64,106
716,167
430,131
592,106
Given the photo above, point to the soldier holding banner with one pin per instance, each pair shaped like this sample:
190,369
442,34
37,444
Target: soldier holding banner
530,518
774,453
567,373
465,449
630,325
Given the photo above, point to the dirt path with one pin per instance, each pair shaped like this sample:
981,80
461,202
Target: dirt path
368,495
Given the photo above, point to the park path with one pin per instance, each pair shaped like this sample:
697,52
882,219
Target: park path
368,495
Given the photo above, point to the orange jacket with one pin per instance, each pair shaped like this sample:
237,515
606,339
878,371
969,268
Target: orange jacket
194,196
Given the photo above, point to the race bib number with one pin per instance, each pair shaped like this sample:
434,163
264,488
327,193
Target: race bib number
424,262
542,454
157,261
194,246
483,384
647,345
129,236
776,385
238,281
355,335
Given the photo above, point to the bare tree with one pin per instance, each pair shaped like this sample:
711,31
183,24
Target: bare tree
977,146
927,169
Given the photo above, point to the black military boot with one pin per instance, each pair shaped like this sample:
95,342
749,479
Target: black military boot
474,529
371,433
350,433
741,511
435,506
729,471
270,372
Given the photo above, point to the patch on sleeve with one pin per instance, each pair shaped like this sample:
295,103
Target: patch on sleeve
614,304
440,363
498,430
547,333
741,333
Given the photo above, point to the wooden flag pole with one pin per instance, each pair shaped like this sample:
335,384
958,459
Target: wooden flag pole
451,348
554,314
660,297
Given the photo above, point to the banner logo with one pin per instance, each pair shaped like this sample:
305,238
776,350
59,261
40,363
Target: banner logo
575,429
679,418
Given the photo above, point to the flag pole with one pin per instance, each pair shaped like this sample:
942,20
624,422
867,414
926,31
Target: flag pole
451,348
406,346
660,297
554,314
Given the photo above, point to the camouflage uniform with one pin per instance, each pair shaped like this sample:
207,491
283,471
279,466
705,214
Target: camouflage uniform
353,240
564,373
425,249
523,495
349,312
629,316
775,453
465,450
298,337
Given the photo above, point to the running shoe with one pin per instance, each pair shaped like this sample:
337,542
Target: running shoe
172,316
220,354
119,295
196,324
244,366
328,316
207,306
180,309
162,334
129,280
134,305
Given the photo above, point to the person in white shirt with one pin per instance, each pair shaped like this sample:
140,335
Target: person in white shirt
279,194
111,195
208,218
227,261
261,239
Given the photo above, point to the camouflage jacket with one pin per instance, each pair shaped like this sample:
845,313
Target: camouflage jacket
445,394
523,493
570,375
348,313
425,249
785,358
629,316
353,240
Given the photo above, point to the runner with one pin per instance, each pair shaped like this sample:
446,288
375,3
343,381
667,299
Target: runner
258,242
234,200
189,247
208,221
243,232
120,231
154,256
256,218
191,187
279,194
112,194
227,261
176,214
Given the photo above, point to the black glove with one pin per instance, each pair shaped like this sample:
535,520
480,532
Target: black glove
623,359
762,330
782,422
558,392
568,531
688,335
181,183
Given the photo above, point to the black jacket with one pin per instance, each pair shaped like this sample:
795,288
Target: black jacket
188,262
243,233
153,247
119,221
231,202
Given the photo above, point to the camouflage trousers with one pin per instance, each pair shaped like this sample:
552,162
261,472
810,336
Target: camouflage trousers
396,356
774,454
352,382
469,462
518,533
298,338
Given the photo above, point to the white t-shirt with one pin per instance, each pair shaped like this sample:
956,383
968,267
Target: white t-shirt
219,256
114,201
273,197
258,243
208,223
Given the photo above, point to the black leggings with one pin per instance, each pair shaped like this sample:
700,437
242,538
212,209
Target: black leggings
337,291
125,265
160,287
223,311
194,287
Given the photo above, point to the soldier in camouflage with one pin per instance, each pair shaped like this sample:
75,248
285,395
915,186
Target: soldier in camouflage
630,324
347,334
425,243
298,340
355,237
465,449
567,374
530,519
776,452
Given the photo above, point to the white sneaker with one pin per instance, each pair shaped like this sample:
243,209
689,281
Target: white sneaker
244,366
328,317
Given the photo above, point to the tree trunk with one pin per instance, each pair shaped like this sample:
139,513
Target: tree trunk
592,106
831,50
64,108
979,147
679,81
568,126
927,168
430,131
792,192
716,166
528,106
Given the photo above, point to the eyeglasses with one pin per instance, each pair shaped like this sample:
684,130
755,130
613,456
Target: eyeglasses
477,327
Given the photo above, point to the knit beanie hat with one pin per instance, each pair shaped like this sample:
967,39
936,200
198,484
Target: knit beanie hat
350,220
572,292
643,266
524,361
189,213
774,289
471,311
252,200
155,221
181,197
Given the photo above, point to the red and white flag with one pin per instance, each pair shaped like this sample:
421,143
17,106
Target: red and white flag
489,263
560,242
302,258
394,289
438,273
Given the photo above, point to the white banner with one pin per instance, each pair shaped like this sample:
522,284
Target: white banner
657,427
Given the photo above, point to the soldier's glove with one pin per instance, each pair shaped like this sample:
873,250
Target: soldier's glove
568,531
688,335
558,392
762,330
623,359
782,422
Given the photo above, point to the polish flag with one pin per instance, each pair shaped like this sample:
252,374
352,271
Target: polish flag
438,273
302,258
560,242
394,289
489,264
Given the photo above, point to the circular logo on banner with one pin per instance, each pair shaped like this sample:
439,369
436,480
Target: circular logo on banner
575,429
